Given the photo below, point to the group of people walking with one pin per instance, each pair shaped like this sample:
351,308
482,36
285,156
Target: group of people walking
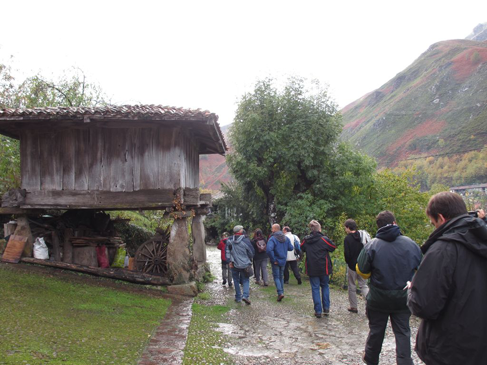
282,249
443,282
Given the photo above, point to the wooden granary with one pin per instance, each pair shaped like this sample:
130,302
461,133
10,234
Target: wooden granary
137,157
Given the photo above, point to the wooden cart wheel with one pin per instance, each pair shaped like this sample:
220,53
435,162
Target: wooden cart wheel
151,257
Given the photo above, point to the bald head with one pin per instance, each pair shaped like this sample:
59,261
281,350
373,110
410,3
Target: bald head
275,228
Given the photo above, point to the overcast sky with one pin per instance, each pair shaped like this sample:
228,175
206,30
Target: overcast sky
206,54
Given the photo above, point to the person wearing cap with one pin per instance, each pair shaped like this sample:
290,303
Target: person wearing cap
239,253
277,248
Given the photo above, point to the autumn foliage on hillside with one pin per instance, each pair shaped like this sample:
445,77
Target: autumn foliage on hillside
435,107
449,170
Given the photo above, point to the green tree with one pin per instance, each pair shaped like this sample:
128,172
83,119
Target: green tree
71,89
287,156
9,148
8,89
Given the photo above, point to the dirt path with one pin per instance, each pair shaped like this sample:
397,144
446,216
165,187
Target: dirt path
268,332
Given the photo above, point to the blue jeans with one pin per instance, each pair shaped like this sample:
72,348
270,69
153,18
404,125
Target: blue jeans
238,275
321,299
278,274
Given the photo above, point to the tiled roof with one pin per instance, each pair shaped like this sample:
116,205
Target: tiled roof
157,111
202,120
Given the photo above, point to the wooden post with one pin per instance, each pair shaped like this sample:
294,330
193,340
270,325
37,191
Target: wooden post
23,229
68,246
56,252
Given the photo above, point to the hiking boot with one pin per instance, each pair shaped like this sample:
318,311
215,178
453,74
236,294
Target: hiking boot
258,282
279,297
299,282
238,301
246,300
318,315
286,282
266,284
230,285
224,282
326,311
353,310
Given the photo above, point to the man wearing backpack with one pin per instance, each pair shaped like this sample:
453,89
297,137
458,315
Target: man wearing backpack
239,253
261,259
292,256
277,248
353,244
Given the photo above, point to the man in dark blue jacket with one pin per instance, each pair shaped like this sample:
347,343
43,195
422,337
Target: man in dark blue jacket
277,248
390,261
319,267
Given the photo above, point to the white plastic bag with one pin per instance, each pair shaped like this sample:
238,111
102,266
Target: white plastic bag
40,249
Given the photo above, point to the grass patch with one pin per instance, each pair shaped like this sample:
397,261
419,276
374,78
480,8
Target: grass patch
204,296
47,320
205,344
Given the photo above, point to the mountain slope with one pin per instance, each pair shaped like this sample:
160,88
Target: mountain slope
437,105
214,169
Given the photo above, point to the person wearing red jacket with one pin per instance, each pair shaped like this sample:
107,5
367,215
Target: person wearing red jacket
226,271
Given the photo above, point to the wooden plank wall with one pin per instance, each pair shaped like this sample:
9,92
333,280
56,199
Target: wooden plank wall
191,163
95,158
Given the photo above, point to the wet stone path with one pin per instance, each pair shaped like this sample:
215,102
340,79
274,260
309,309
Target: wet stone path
271,332
167,343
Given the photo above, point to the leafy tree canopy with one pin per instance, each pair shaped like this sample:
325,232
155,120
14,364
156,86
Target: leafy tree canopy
287,156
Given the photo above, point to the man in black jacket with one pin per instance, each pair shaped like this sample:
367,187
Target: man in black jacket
353,245
390,261
449,291
318,266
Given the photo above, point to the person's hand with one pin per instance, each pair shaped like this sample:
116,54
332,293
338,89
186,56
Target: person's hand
230,265
481,213
276,263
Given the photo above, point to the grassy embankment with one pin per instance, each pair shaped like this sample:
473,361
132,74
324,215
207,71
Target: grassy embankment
45,319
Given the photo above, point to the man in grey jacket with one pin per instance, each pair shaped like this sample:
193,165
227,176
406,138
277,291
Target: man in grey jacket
239,254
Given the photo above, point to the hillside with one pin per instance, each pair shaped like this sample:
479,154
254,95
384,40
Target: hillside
438,105
214,169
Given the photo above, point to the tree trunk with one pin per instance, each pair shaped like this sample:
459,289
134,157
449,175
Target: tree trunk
271,209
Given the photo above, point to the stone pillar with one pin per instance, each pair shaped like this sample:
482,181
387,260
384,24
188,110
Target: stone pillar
178,255
199,247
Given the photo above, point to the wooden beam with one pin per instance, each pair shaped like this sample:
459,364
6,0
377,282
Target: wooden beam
114,273
86,199
11,211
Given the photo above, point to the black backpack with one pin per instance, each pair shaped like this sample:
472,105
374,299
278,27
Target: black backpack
261,245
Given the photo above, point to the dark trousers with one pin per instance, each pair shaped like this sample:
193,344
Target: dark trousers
377,329
294,268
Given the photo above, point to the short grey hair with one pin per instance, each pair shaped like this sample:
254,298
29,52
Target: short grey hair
314,226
